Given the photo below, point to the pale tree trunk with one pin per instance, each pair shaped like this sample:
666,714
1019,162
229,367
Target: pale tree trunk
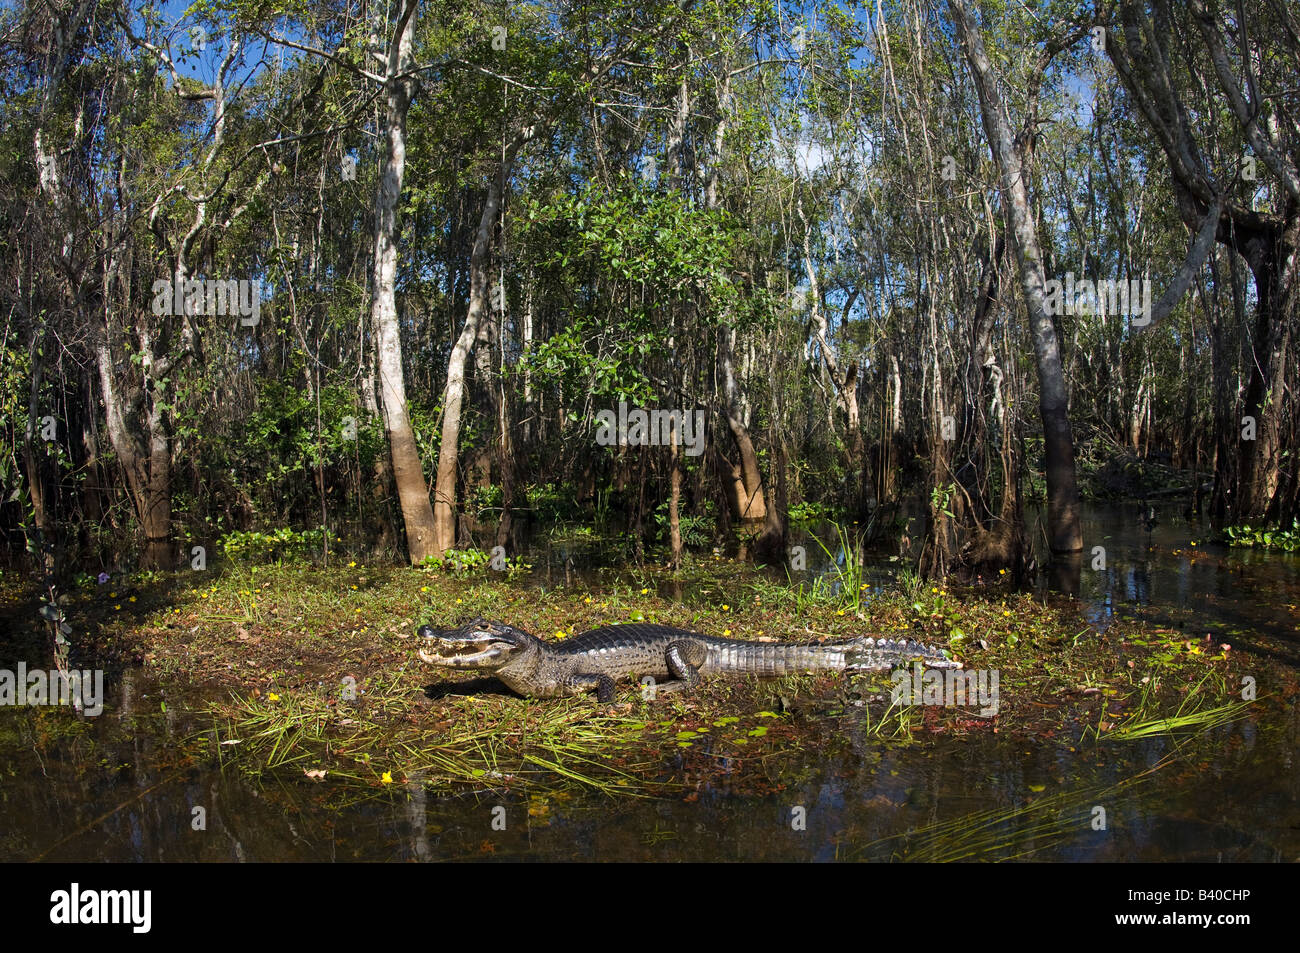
408,471
489,335
772,545
381,481
673,153
527,352
134,456
156,516
444,506
745,487
65,24
1064,532
844,381
1137,412
940,544
139,415
34,455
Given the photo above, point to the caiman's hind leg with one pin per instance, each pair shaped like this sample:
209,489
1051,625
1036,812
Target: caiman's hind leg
584,682
684,659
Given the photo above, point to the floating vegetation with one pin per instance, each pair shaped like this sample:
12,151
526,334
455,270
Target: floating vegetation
488,741
1195,713
393,734
1205,719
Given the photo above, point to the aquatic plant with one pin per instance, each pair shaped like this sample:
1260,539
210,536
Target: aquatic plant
1195,713
1283,540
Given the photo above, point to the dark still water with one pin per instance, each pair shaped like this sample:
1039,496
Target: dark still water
129,785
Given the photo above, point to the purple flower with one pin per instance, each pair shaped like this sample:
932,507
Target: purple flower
103,578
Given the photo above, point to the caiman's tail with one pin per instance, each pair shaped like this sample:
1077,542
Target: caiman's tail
866,654
842,655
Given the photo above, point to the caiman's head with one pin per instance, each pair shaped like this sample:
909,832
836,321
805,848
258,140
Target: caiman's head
478,644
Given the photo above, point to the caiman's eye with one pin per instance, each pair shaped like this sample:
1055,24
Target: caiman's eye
483,625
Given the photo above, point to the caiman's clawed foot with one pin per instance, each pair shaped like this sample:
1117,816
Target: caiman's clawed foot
684,661
585,682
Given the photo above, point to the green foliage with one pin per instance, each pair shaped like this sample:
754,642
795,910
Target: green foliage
814,511
277,546
484,498
645,253
845,582
941,499
463,562
1283,540
911,583
639,236
458,560
613,372
696,528
553,503
275,454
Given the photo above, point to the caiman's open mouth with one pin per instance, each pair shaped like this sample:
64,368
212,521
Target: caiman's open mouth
458,649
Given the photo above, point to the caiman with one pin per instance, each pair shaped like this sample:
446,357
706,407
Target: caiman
595,660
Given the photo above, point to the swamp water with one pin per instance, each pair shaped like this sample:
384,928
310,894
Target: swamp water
124,786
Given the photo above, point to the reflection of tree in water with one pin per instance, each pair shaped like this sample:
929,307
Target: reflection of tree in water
1139,585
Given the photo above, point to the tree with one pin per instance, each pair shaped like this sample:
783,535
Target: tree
1065,534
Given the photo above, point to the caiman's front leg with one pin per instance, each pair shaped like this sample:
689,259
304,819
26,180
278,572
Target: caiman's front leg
581,683
684,660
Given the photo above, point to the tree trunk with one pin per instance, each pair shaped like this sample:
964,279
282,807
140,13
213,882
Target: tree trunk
674,501
845,382
444,507
145,460
1261,459
408,471
745,488
1064,532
